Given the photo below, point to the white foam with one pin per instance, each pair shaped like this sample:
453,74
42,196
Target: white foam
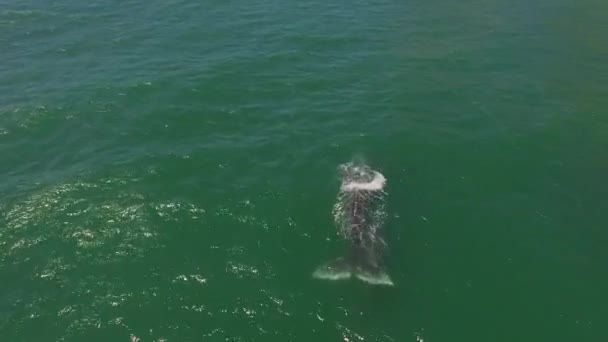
377,183
375,279
331,275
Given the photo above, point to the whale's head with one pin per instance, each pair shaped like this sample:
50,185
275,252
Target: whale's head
356,173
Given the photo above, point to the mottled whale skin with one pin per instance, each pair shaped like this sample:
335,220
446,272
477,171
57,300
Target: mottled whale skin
359,213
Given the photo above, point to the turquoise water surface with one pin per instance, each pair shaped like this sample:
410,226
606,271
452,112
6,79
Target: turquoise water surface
168,169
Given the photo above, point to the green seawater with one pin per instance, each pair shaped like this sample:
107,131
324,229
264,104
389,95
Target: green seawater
168,169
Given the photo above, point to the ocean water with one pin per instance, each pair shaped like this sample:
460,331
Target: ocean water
168,168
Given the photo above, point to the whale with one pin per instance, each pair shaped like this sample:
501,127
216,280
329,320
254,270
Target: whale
359,215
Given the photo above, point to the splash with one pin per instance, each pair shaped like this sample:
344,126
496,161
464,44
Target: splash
361,177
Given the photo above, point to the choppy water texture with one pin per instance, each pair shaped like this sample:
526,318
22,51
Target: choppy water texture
168,168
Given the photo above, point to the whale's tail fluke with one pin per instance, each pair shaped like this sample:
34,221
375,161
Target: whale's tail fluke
345,268
336,269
